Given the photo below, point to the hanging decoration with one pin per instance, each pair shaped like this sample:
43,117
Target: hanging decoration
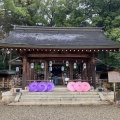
75,65
67,63
32,65
84,65
8,52
17,69
62,68
50,68
42,65
50,63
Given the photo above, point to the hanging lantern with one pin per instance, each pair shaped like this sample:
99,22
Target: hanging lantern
50,68
17,69
42,65
50,63
67,63
32,65
8,52
62,68
75,65
84,65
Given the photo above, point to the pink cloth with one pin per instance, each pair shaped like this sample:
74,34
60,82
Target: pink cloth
86,86
70,86
79,86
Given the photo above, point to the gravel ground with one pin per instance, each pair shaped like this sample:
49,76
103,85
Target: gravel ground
103,112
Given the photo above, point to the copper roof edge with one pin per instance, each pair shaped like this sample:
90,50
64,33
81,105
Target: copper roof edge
17,27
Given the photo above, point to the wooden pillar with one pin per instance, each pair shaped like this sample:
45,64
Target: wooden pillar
24,73
28,71
89,71
32,73
81,71
10,58
93,71
71,70
46,71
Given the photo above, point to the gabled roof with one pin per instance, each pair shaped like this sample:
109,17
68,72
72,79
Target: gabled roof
58,37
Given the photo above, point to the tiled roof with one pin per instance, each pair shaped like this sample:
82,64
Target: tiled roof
80,37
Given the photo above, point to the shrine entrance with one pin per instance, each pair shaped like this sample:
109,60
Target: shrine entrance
59,70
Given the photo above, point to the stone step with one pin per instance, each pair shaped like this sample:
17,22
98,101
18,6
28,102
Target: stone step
57,99
62,93
60,96
62,103
60,89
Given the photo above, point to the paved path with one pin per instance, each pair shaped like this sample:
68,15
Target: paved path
103,112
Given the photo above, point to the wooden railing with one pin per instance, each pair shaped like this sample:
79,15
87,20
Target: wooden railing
4,83
29,81
9,83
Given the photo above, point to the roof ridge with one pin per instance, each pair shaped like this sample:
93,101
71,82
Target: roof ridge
19,27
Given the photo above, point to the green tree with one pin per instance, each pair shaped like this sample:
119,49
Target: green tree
105,13
68,13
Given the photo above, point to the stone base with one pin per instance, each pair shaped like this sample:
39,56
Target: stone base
8,97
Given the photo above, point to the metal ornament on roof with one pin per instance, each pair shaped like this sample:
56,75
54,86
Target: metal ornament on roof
32,65
42,65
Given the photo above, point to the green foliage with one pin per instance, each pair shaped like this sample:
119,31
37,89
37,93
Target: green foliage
114,60
110,59
37,67
67,13
114,34
3,63
105,13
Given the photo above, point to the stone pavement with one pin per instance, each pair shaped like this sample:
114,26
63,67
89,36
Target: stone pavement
60,112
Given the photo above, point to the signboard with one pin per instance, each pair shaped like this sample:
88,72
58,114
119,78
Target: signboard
114,76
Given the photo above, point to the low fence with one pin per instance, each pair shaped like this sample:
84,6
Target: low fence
4,83
17,82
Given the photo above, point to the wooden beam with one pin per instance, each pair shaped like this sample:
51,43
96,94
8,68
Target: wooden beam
58,59
60,55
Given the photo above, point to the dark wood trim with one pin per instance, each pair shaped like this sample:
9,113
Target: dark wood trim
60,55
59,59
